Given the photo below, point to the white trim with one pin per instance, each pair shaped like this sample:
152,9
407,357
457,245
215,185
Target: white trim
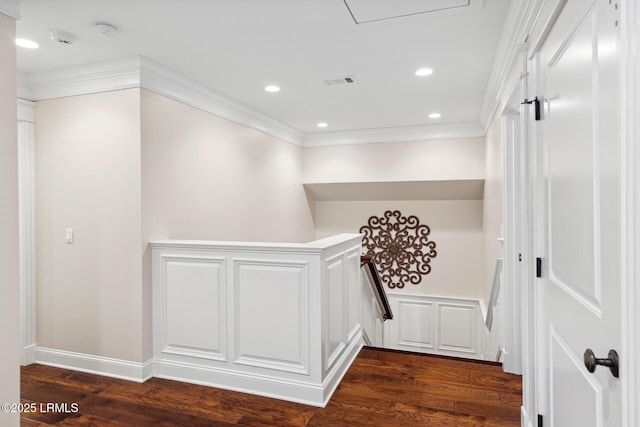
26,111
26,215
631,195
140,72
524,418
513,248
172,85
10,8
307,393
28,355
24,87
542,29
84,79
514,34
394,134
98,365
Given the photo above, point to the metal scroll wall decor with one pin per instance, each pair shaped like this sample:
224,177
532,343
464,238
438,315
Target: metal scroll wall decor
400,248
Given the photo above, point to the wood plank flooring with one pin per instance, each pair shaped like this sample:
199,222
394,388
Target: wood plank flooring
382,388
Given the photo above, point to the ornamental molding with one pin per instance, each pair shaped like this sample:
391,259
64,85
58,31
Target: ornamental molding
140,72
400,247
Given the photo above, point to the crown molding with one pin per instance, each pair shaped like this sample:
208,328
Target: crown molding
513,42
395,134
139,72
10,8
81,80
24,89
172,85
26,110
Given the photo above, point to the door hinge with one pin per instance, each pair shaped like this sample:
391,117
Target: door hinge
540,420
536,104
538,267
519,257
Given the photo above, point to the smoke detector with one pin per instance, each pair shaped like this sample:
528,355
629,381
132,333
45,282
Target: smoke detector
62,37
106,30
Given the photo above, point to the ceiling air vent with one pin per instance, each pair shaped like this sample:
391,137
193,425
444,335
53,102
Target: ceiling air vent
340,81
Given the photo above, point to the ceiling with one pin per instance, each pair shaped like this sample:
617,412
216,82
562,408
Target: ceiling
237,47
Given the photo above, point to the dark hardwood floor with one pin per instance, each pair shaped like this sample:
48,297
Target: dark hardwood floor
382,388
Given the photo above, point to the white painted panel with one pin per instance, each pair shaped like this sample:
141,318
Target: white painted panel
335,278
368,311
457,324
576,395
415,321
575,233
354,289
272,296
378,325
194,307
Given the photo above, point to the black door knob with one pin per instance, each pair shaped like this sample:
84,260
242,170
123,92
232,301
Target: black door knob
591,361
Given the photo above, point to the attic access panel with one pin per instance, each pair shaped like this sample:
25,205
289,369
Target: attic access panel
368,11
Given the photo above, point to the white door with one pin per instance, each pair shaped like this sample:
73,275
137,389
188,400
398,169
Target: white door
581,133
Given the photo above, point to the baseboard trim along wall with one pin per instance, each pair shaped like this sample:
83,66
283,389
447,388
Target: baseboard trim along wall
116,368
524,418
28,355
262,385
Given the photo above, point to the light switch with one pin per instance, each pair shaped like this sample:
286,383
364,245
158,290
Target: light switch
69,235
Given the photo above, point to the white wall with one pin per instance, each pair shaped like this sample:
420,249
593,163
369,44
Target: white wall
437,160
205,177
89,295
9,286
456,227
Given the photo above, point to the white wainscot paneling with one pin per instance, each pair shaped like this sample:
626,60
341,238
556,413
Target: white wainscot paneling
335,288
194,307
354,298
415,321
272,296
457,324
372,323
261,318
436,325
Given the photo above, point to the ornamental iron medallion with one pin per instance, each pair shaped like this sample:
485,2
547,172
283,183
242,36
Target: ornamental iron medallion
400,248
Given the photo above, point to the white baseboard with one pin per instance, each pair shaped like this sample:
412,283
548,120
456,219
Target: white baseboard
525,421
28,355
262,385
341,367
105,366
294,391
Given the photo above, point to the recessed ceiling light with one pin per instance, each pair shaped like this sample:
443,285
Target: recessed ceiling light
424,72
435,115
27,44
272,88
322,125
